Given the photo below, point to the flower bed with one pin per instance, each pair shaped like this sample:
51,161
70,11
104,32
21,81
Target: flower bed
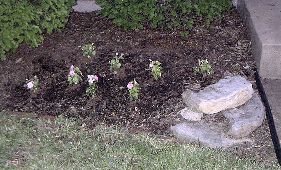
159,64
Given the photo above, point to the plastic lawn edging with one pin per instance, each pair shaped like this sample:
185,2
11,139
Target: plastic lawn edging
269,116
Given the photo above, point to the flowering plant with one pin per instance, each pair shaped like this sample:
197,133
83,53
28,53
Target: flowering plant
134,89
89,50
74,76
115,63
156,69
33,84
204,68
91,90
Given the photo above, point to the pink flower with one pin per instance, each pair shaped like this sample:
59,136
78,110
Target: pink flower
130,85
72,68
92,79
71,71
96,78
30,85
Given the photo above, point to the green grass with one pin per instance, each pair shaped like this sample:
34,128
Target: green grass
62,144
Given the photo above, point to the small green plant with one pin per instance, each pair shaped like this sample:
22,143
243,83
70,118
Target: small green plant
74,76
184,34
92,80
115,63
89,50
204,68
33,84
156,69
134,90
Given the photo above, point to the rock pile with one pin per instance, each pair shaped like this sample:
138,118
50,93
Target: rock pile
234,98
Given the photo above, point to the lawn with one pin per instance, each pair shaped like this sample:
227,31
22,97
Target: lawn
28,143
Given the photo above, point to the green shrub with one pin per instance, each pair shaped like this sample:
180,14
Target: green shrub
24,21
210,9
131,14
135,14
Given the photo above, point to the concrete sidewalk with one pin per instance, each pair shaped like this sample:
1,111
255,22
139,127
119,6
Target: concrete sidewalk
263,18
273,92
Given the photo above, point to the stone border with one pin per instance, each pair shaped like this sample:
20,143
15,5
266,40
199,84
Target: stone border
233,100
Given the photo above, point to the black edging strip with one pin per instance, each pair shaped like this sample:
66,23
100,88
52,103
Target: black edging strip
273,133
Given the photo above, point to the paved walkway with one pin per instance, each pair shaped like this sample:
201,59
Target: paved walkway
273,92
263,18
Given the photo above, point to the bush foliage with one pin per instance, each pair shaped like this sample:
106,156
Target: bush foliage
24,21
135,14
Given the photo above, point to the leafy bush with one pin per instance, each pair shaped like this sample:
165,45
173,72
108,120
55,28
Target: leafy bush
24,21
131,14
135,14
210,9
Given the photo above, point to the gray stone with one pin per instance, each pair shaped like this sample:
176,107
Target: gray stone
263,20
190,115
235,3
86,6
247,118
228,93
207,134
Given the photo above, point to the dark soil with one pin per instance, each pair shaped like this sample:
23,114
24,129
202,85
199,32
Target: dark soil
224,43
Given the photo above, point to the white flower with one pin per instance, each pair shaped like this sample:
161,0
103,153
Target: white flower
30,85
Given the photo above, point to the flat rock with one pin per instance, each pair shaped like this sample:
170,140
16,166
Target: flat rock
207,134
190,115
228,93
247,118
84,6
